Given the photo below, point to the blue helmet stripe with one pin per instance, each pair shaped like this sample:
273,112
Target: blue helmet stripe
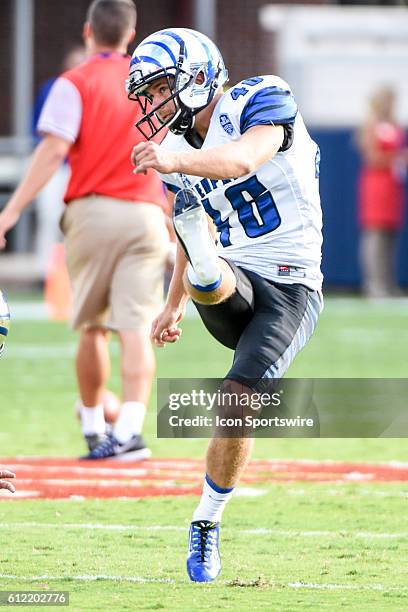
208,52
150,60
175,37
135,60
162,46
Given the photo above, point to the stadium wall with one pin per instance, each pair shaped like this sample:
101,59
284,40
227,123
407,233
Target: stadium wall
339,171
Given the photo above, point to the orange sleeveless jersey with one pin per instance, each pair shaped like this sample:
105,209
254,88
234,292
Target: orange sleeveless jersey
100,157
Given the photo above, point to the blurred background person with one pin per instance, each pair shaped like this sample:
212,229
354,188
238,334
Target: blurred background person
50,200
114,227
381,194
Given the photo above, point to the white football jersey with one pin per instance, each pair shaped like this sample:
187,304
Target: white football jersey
268,221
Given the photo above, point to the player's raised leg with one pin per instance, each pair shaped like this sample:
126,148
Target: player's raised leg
208,279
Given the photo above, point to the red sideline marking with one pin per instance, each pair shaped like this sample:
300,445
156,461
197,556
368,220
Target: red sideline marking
62,478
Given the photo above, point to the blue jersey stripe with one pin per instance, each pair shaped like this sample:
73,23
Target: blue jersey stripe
162,46
3,331
270,105
263,110
268,121
172,188
275,91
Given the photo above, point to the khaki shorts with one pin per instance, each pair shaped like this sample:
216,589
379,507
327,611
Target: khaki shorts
116,252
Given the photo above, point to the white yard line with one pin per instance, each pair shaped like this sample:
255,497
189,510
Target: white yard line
144,580
28,311
94,472
341,491
45,351
261,531
88,578
346,587
188,462
139,484
162,463
37,311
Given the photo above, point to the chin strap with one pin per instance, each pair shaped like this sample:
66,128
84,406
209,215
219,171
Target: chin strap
183,122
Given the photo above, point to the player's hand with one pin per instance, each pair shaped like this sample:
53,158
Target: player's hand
5,484
165,327
147,155
7,220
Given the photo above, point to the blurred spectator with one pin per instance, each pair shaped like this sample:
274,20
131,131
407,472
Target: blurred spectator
114,228
50,200
381,194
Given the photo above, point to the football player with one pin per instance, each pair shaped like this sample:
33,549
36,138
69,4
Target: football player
245,160
4,321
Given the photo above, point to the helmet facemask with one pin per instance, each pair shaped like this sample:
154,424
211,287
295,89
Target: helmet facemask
151,124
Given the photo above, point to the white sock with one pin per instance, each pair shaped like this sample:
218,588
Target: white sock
213,501
92,419
210,280
130,421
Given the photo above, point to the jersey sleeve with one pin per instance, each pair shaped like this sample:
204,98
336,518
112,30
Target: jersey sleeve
271,105
62,111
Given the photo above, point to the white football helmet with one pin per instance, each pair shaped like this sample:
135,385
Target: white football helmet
180,55
4,321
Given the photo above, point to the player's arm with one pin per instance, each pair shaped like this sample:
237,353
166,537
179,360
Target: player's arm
59,125
47,157
234,159
165,326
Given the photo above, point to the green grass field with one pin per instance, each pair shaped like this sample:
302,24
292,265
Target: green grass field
298,546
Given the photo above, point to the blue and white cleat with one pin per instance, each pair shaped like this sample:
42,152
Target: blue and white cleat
191,226
203,561
110,448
